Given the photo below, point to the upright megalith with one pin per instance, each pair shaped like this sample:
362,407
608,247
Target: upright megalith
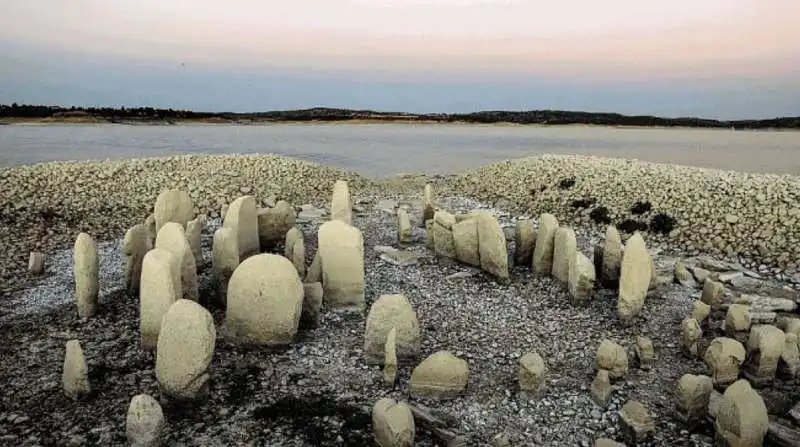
136,244
387,313
341,205
443,242
634,279
172,237
465,240
742,418
274,223
581,278
492,245
159,289
612,258
405,233
564,248
545,244
194,231
341,249
442,375
428,203
86,270
224,260
75,375
172,205
764,348
295,250
524,241
144,423
724,357
265,301
242,218
392,424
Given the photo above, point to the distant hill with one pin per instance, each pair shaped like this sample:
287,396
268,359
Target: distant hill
545,117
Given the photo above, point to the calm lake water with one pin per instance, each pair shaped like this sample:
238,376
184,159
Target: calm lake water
384,150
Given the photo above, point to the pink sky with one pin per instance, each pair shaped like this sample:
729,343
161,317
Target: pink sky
617,39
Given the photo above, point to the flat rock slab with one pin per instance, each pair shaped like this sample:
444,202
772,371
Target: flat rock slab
401,258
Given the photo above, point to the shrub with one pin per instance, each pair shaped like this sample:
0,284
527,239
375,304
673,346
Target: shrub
600,215
566,183
630,226
641,207
583,203
662,223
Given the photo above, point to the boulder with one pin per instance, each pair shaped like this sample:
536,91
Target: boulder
391,312
75,375
36,263
442,375
194,231
224,260
184,352
390,358
312,304
613,358
173,205
712,293
428,203
737,322
636,423
465,241
274,223
700,310
244,220
405,234
581,279
693,394
145,422
601,388
492,245
634,279
341,206
341,248
742,418
789,363
545,244
532,372
135,245
314,272
172,238
764,348
612,258
691,334
159,289
265,300
392,424
86,270
644,352
295,250
524,241
565,246
724,357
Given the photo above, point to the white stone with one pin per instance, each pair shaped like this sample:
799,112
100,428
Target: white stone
341,205
341,248
172,237
87,269
145,422
172,205
75,375
242,218
564,249
634,279
159,289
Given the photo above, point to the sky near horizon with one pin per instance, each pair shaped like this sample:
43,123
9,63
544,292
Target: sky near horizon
716,58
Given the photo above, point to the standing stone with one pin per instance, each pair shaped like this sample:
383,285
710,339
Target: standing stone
75,376
390,358
700,310
312,304
612,357
645,354
724,357
172,238
392,424
428,203
341,206
341,248
612,258
145,422
429,242
265,300
690,337
224,260
173,205
135,245
391,312
764,348
274,223
637,424
581,279
693,394
789,363
737,322
634,279
87,269
545,244
314,273
565,246
532,372
465,240
742,418
184,352
601,388
524,240
712,293
194,231
442,375
295,250
443,241
405,233
159,289
491,245
36,263
244,221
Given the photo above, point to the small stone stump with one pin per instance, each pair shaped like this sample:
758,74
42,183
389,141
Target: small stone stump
531,377
691,334
405,234
611,259
392,424
440,376
700,311
634,280
764,348
36,263
692,395
612,358
391,312
636,423
86,270
75,375
724,357
544,248
581,280
713,293
145,422
644,352
742,418
601,388
738,322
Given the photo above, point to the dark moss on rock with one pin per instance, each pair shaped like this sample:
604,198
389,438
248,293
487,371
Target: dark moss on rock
632,226
566,183
662,223
641,207
600,215
583,203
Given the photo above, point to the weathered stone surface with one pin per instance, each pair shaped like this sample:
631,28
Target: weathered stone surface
185,348
700,310
429,242
532,372
636,423
693,394
145,422
314,273
135,245
159,289
75,375
172,238
295,250
683,276
400,258
312,304
36,263
465,240
243,219
789,363
737,322
173,205
341,249
581,279
712,293
405,234
150,223
601,388
759,304
645,354
612,258
565,246
524,241
224,260
442,375
391,312
700,274
390,358
690,337
86,271
392,424
742,418
764,348
613,358
444,219
194,230
545,244
634,279
443,242
341,206
275,222
265,300
605,442
428,203
724,357
492,245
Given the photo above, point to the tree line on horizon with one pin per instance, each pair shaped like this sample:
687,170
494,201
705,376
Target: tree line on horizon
550,117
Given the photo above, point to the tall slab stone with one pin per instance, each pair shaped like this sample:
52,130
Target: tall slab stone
545,244
564,249
136,244
173,205
242,218
341,249
172,238
634,279
159,289
86,270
